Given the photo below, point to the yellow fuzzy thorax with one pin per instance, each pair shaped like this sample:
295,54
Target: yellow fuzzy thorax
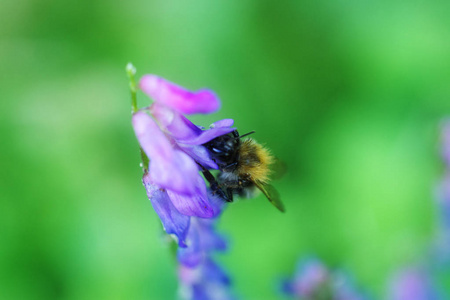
254,161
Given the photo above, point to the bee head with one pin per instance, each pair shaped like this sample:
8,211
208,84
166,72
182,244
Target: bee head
223,148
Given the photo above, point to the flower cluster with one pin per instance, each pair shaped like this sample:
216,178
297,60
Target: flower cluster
314,281
200,277
177,191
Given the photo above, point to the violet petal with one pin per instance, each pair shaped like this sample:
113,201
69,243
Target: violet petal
213,272
178,98
193,254
222,123
210,240
176,125
201,155
178,176
173,221
187,275
217,203
201,239
195,205
169,168
206,136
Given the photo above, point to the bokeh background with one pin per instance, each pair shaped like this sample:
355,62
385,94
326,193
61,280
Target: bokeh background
349,94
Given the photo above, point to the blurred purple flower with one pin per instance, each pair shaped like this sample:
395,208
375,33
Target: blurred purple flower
202,238
200,277
314,281
207,281
174,146
445,137
310,276
412,284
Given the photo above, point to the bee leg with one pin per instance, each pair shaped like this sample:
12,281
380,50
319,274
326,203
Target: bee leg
217,190
230,167
215,187
230,195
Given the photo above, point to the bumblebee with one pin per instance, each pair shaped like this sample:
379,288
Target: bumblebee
243,166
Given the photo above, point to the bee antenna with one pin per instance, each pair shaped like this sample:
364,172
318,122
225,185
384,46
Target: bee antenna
241,136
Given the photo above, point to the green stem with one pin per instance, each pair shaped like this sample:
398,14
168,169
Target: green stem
131,71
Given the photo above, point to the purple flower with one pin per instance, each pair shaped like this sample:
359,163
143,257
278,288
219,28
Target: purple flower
174,146
202,239
200,277
313,281
445,136
310,276
412,284
207,281
188,211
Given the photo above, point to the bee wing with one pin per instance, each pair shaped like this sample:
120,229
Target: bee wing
272,195
278,169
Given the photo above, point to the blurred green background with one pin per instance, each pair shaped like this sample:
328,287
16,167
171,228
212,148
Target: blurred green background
348,93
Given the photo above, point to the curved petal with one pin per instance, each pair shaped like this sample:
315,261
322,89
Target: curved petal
174,123
151,138
213,272
222,123
187,275
206,136
214,283
217,203
169,168
201,155
173,221
192,255
202,238
197,204
209,238
178,176
184,101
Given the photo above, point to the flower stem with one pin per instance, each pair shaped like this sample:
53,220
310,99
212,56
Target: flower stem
131,71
